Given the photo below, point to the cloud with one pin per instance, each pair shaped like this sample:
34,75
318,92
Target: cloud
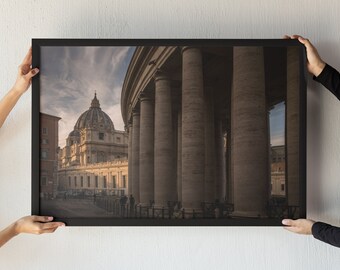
69,76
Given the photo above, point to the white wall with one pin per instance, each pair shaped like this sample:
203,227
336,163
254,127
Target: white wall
170,248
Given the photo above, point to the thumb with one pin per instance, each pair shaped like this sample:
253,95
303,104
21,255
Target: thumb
302,40
287,222
43,218
32,73
305,42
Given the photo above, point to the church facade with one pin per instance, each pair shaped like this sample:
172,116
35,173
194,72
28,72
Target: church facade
94,160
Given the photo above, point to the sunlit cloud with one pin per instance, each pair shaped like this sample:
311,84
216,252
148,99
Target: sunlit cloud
69,77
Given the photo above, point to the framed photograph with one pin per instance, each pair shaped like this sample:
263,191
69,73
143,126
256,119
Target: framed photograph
173,132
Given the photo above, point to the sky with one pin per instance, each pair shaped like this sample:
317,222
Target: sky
69,77
277,124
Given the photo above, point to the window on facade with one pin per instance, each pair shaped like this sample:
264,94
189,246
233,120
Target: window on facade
96,180
114,182
75,181
43,181
44,130
69,181
124,181
44,141
101,136
44,154
88,181
118,139
81,181
104,182
282,187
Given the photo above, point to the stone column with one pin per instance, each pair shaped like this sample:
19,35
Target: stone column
292,128
146,151
130,160
179,156
165,181
229,183
193,144
249,133
220,162
210,147
135,156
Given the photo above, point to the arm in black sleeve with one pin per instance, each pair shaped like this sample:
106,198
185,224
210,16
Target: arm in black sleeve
326,233
330,78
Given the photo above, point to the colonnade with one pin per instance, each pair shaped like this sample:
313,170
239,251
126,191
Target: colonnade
178,153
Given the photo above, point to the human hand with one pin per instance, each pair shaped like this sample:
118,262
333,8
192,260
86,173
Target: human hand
301,226
314,62
36,225
25,74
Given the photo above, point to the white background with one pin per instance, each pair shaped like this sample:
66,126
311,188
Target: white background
169,247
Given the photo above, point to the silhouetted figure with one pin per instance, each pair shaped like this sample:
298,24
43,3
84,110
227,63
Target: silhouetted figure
123,201
132,204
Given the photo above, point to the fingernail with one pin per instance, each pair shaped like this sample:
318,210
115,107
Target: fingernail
50,218
62,225
284,222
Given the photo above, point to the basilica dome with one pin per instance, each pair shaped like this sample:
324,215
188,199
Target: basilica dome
94,118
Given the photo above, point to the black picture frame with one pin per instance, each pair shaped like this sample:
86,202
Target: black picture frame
37,43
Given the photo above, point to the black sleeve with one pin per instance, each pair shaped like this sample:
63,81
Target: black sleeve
330,78
326,233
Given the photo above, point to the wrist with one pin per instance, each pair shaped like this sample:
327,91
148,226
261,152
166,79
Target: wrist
16,91
318,68
13,229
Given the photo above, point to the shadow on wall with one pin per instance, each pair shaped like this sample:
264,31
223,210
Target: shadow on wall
314,186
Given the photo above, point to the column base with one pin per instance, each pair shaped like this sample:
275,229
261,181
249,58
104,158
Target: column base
248,214
191,213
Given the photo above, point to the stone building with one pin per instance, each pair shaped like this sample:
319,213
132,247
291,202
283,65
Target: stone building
48,155
278,171
94,159
181,104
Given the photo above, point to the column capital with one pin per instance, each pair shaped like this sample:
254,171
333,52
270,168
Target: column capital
135,112
184,48
129,124
161,75
145,97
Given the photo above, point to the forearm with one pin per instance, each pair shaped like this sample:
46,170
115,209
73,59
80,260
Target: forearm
326,233
7,234
330,78
7,103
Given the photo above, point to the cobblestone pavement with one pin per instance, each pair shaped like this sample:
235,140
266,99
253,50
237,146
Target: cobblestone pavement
72,208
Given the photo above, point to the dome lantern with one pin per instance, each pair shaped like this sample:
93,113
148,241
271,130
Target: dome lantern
95,102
